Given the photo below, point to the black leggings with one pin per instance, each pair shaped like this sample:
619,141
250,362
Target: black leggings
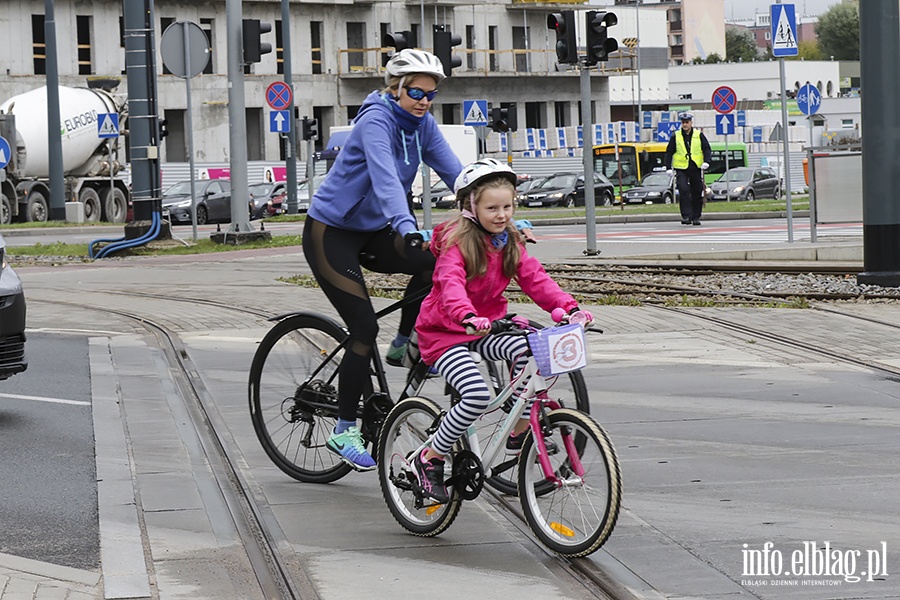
336,257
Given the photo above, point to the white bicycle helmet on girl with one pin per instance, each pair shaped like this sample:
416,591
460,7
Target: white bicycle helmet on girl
409,61
486,167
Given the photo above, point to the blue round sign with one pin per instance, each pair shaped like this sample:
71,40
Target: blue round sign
809,99
5,153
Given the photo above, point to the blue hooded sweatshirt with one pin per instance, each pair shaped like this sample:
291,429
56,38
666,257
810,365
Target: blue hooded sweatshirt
367,186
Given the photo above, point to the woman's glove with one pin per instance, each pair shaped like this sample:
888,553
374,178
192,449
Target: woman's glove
479,325
414,239
704,166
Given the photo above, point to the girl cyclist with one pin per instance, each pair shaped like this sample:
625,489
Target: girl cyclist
478,254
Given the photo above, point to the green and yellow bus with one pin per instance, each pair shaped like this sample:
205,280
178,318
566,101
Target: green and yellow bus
638,159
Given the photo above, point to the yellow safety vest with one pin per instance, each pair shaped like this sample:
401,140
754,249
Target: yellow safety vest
680,158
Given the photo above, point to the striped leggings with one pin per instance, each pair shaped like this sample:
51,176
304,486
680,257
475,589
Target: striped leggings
460,371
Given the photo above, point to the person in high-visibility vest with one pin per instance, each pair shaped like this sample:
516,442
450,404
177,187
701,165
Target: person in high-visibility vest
689,154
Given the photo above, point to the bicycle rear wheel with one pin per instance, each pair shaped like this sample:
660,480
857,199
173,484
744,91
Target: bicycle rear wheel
576,517
410,423
293,415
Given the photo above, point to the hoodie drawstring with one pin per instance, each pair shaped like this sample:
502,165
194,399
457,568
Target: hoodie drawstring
403,143
406,151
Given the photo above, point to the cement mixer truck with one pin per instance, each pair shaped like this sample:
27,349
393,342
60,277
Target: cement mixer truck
90,176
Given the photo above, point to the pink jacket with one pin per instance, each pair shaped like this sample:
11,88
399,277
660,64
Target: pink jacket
439,325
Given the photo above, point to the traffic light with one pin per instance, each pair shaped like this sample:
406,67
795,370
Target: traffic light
310,128
599,44
566,46
254,47
163,128
443,48
400,40
504,119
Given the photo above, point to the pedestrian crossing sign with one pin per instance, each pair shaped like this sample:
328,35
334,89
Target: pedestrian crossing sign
108,125
784,30
475,112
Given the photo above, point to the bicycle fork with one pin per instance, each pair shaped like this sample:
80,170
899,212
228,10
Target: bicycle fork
537,430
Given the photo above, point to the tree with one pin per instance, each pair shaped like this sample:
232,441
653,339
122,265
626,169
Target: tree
809,50
838,32
740,45
713,58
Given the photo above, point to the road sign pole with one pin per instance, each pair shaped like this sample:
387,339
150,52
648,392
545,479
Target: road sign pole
587,151
727,193
190,132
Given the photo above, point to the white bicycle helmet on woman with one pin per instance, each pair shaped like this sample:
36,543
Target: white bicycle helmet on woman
478,170
409,61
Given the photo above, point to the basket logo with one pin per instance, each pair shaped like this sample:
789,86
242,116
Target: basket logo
567,352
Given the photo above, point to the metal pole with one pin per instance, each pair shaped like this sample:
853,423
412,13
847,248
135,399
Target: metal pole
54,134
190,127
587,152
237,118
727,191
290,158
640,110
310,170
810,165
787,158
142,117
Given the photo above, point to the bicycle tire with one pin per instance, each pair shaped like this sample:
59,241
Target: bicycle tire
574,519
406,428
293,437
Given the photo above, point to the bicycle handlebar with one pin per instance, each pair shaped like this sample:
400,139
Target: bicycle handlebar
508,326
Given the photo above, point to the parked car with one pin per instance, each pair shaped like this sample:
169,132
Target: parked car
213,201
266,199
656,187
524,186
12,319
746,183
303,192
567,189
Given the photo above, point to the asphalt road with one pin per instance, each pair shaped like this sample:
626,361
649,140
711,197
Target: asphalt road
48,496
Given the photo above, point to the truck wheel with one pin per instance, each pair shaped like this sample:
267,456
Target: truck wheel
5,210
115,207
91,200
37,211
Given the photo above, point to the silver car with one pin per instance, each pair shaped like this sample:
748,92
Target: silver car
12,319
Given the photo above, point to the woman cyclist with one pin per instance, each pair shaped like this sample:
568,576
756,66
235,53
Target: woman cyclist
361,208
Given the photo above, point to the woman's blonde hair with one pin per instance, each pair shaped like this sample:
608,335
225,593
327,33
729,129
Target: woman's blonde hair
473,242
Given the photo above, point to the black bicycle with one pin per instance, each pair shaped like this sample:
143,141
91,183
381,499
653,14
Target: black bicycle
293,396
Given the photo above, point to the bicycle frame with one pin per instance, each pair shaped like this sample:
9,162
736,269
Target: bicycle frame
536,389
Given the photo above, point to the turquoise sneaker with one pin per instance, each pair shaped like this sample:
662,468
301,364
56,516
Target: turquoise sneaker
349,446
395,355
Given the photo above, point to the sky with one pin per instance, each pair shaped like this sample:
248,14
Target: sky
745,9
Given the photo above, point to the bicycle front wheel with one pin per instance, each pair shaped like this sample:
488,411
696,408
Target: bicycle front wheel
292,413
576,516
408,426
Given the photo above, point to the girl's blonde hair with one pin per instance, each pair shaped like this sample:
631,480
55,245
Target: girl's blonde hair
472,240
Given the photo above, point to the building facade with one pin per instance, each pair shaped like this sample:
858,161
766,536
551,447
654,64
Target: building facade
508,56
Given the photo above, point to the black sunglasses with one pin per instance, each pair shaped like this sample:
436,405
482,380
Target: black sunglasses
417,94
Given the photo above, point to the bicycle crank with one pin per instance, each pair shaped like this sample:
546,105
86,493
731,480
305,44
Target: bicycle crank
468,475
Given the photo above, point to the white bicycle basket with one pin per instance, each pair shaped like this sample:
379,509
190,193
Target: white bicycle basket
558,350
